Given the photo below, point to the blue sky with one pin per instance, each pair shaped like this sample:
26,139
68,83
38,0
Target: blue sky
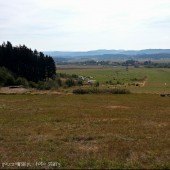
80,25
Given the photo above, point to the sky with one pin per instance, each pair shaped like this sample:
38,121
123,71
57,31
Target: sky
83,25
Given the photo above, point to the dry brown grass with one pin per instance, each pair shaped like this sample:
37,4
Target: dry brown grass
89,131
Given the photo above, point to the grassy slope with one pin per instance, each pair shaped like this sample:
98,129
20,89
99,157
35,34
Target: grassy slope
86,131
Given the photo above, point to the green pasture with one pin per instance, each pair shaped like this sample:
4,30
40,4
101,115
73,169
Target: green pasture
154,80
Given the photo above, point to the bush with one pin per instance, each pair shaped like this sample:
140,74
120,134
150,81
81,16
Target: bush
118,91
32,84
81,91
6,77
96,91
10,81
59,82
22,81
79,82
47,85
86,91
74,76
70,82
96,84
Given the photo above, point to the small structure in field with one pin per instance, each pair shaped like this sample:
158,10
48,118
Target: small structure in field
82,77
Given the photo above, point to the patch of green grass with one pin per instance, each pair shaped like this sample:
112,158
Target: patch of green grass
149,80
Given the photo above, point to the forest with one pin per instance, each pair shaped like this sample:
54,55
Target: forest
24,62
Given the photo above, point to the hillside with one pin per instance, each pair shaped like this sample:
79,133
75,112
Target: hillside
113,53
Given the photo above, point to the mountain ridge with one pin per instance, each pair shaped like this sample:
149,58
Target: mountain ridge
73,54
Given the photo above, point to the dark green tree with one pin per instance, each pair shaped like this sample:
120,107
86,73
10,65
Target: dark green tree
24,62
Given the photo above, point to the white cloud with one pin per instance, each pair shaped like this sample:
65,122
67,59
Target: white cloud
86,24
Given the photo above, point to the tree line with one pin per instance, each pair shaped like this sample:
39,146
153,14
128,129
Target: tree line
24,62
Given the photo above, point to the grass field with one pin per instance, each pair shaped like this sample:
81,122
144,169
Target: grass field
154,79
86,131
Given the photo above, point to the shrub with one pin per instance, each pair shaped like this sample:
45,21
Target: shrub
96,84
80,91
85,91
118,91
32,84
70,82
96,91
10,81
74,76
59,82
47,85
79,82
6,77
22,81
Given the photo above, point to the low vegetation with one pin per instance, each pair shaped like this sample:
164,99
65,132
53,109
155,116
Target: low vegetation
100,91
8,78
86,131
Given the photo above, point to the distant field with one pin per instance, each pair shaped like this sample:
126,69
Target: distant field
75,67
154,79
86,131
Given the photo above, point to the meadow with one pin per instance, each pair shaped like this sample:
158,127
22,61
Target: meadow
152,80
85,131
59,129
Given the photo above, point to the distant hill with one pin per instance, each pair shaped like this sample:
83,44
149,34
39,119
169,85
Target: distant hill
102,53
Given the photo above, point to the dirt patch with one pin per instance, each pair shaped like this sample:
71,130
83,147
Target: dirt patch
108,120
88,148
117,107
143,84
155,124
22,90
19,90
45,92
